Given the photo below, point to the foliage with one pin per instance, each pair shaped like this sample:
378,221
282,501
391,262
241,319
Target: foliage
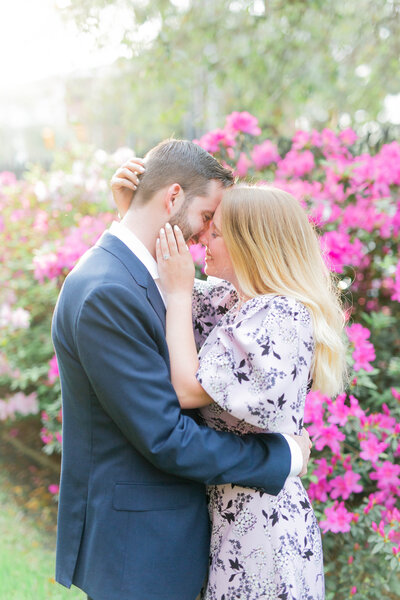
323,61
353,199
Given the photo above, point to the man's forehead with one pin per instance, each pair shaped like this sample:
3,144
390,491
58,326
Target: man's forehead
212,199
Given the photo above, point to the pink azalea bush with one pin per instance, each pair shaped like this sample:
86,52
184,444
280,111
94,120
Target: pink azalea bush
352,198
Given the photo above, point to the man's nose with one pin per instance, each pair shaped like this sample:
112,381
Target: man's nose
202,237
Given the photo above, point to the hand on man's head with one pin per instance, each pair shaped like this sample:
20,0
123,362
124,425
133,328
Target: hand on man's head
124,183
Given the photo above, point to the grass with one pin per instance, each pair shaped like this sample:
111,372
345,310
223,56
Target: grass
27,555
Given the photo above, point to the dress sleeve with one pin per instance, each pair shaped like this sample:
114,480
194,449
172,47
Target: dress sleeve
210,301
257,367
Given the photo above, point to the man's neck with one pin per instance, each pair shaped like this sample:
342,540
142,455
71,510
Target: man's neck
145,226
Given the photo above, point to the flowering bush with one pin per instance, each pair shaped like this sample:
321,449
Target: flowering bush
49,219
354,475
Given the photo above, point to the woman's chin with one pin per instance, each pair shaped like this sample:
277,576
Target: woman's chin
208,270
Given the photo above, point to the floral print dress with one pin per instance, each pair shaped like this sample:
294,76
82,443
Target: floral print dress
255,361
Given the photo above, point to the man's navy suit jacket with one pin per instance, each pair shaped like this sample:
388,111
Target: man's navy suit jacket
133,522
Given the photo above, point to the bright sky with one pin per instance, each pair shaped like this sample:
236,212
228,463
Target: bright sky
35,43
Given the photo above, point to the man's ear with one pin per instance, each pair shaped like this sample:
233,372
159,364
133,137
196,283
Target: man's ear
173,198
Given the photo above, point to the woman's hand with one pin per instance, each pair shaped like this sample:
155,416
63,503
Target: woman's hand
124,183
175,263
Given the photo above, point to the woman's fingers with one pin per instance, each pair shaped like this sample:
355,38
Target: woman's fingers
158,251
135,164
123,183
165,252
180,240
172,241
125,173
173,249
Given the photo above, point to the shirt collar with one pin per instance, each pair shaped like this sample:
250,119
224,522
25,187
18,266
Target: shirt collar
136,246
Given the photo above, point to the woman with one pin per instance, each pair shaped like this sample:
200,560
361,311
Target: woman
279,337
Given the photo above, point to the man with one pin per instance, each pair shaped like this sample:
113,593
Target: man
133,521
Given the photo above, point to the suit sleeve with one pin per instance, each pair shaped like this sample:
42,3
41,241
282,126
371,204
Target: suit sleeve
118,348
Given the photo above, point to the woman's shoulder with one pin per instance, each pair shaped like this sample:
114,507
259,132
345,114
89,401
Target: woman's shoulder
277,307
213,287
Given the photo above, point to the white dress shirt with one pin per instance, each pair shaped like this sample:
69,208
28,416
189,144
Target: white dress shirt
141,252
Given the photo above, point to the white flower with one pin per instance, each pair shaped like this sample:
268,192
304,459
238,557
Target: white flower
122,155
20,319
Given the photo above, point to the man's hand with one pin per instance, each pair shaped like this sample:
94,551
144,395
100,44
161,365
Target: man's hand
305,444
124,183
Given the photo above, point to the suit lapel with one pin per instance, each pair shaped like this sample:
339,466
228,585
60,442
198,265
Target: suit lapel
154,297
136,268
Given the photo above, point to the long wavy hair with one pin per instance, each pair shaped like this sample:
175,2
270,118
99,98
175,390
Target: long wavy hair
275,249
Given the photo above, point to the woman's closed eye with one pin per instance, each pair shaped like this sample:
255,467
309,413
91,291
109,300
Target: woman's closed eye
214,231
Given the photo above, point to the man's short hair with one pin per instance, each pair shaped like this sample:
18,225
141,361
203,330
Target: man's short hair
183,162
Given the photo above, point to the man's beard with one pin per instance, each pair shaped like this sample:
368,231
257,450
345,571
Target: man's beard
181,219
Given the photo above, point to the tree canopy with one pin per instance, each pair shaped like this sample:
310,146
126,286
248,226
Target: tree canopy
188,63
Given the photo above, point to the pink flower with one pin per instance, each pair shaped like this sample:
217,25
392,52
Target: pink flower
315,407
363,355
14,319
214,140
320,490
7,178
338,519
242,166
378,528
243,122
53,488
324,469
19,403
264,154
300,139
339,250
396,288
339,412
46,436
364,351
357,333
372,448
330,143
296,164
387,476
348,136
346,485
53,372
52,265
355,410
329,436
198,253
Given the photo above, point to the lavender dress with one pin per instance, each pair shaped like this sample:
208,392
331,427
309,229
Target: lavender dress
255,364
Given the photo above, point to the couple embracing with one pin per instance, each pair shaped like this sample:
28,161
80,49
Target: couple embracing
183,400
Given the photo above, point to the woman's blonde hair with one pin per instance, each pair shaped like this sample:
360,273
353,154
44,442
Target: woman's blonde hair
275,249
